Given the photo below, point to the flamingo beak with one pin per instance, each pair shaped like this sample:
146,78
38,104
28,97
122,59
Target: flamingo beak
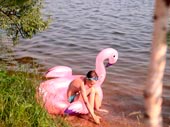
108,65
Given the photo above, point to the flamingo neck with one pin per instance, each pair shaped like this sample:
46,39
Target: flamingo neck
100,68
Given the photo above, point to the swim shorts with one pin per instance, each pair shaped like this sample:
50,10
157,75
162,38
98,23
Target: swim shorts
71,98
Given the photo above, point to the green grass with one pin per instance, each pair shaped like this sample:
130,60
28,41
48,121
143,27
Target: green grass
18,106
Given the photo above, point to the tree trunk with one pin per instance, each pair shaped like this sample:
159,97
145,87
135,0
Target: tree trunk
154,85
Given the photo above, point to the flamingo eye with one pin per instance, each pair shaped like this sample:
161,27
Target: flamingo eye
114,56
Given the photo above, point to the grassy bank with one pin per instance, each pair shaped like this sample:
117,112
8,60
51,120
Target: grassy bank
18,106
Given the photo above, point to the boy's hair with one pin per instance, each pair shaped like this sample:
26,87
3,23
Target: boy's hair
91,74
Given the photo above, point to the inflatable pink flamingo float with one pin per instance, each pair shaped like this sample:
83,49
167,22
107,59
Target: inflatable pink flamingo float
53,91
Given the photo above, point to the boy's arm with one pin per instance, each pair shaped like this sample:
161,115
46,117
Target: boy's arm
90,109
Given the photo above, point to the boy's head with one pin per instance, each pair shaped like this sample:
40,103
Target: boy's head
92,75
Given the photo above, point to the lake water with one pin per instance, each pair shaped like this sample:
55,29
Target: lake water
80,29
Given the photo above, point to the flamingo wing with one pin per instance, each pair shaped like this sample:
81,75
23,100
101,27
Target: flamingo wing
77,107
58,71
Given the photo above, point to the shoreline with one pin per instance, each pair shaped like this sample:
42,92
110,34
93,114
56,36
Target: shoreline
86,121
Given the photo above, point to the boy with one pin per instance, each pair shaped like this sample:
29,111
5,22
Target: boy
83,89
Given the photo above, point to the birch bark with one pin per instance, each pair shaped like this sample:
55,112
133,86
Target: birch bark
154,83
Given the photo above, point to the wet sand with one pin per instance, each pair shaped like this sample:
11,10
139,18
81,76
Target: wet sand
87,121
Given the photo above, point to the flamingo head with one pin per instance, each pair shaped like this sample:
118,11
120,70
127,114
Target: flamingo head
112,57
109,54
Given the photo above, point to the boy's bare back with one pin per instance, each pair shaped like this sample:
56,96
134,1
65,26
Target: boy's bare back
74,87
